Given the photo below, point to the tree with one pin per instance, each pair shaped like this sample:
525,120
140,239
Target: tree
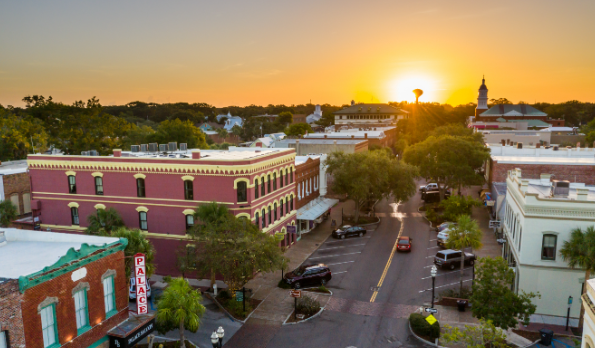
222,132
458,205
8,213
298,129
368,176
399,147
493,299
138,135
484,335
137,243
180,132
195,117
458,130
579,251
448,161
180,307
500,101
466,234
104,221
284,118
327,119
20,135
237,130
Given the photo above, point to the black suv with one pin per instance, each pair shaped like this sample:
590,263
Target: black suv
452,258
311,275
349,231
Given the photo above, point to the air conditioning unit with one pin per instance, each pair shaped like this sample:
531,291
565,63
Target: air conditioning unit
93,153
172,146
519,145
183,146
84,153
556,148
162,147
144,147
153,147
135,148
560,188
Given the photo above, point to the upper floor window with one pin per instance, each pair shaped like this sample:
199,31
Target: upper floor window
71,184
242,192
256,188
290,175
3,339
189,222
188,190
291,204
269,183
142,217
140,187
281,208
109,298
82,313
256,220
74,215
274,181
281,179
287,177
98,185
264,219
275,210
262,193
287,205
270,215
49,328
548,248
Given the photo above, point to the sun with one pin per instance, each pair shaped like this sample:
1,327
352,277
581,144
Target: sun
401,89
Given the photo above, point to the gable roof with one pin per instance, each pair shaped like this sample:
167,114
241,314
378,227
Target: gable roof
513,110
371,108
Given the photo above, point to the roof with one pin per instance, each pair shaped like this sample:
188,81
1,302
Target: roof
557,129
303,159
512,110
556,161
212,124
230,122
322,141
27,252
369,108
13,167
315,208
266,141
233,153
353,135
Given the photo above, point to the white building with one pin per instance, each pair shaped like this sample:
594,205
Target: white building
589,319
231,121
369,115
315,116
538,219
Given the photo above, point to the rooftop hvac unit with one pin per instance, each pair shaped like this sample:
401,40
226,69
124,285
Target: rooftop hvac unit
556,148
134,148
93,153
153,147
172,146
84,153
144,147
519,145
162,147
561,188
183,146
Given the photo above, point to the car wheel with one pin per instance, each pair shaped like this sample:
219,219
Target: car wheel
342,236
451,266
297,285
361,234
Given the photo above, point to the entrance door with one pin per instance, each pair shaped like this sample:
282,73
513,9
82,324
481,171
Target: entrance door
26,203
15,200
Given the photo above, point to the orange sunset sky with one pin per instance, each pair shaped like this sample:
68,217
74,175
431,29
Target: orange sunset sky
233,52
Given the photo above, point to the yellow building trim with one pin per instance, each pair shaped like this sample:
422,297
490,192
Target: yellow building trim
70,172
97,174
246,180
73,205
188,212
73,228
122,197
99,206
139,209
140,176
246,215
280,191
188,178
279,222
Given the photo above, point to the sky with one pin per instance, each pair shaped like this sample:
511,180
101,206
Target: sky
238,52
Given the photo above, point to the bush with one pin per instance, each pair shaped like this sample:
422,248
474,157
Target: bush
458,205
454,292
431,215
237,308
422,328
283,284
323,288
223,295
307,305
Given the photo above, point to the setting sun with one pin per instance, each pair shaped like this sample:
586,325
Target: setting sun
402,88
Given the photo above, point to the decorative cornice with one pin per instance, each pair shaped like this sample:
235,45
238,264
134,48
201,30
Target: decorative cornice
46,302
80,286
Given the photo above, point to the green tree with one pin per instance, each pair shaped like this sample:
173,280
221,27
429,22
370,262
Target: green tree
20,135
466,234
104,221
284,118
492,298
298,129
500,101
138,135
484,335
180,132
458,205
579,251
180,307
449,161
137,243
399,147
327,119
237,130
8,213
222,132
458,130
370,176
196,117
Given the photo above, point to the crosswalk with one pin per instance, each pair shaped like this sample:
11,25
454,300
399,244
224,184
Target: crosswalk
376,309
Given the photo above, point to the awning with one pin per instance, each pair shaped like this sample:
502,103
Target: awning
131,331
316,208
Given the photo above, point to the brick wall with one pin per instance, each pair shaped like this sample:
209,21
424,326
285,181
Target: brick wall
10,313
61,287
18,184
581,174
304,172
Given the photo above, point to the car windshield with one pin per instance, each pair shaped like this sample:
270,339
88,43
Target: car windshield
403,241
299,271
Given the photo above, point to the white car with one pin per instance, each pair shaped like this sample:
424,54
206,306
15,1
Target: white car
428,188
443,236
132,290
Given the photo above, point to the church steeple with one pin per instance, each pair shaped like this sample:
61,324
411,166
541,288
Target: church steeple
482,98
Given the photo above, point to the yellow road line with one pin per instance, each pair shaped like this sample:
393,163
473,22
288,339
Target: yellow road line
390,259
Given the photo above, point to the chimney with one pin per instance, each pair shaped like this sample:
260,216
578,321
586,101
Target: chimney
537,145
196,154
507,141
259,144
365,135
117,152
524,185
582,194
503,142
325,136
297,148
353,136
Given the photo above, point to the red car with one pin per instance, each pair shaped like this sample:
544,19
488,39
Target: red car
404,243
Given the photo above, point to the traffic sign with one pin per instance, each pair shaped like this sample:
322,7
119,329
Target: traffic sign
295,293
431,310
431,319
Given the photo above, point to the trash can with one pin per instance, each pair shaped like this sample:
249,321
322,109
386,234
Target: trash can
546,336
461,304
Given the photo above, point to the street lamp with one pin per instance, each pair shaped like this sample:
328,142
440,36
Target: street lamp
433,271
220,334
568,314
215,339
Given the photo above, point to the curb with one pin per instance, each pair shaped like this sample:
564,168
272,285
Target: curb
371,223
227,313
421,339
304,320
424,216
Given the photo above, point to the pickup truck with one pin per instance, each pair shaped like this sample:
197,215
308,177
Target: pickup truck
428,187
433,196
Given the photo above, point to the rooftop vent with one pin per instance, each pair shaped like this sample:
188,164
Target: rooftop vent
560,188
162,147
519,145
183,146
85,153
144,147
152,147
172,146
134,148
555,147
93,153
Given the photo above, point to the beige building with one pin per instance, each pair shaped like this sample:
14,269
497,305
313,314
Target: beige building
589,323
305,147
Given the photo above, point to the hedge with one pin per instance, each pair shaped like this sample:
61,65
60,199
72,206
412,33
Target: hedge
422,328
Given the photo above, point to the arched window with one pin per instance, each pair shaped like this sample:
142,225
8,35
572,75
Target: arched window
262,186
281,178
140,187
256,220
286,176
74,215
287,206
291,204
98,185
299,191
256,189
242,192
264,219
189,222
189,190
269,183
71,184
281,208
274,181
142,219
275,210
270,215
14,198
291,175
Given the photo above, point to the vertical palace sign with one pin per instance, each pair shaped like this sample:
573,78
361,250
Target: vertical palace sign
140,278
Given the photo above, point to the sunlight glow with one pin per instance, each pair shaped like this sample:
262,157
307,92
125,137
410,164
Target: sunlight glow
401,89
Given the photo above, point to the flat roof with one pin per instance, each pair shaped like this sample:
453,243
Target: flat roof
356,134
543,190
558,161
27,252
13,167
322,141
233,153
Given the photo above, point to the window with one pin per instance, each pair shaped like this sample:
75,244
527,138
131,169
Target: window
188,190
26,204
82,314
286,176
281,179
291,175
71,184
109,299
3,339
262,186
264,219
74,214
140,187
142,217
269,183
548,249
256,188
274,181
98,185
270,216
287,205
189,222
48,326
291,205
275,210
242,192
15,201
256,220
281,208
520,237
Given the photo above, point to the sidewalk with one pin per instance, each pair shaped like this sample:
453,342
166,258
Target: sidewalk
490,246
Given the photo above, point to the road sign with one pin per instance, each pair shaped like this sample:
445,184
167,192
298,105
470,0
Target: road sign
295,293
490,203
431,310
431,319
292,229
140,279
494,223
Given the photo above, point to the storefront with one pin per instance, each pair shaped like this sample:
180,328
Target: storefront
131,331
313,213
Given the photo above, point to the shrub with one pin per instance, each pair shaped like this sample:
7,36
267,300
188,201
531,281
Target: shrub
421,327
431,215
307,305
458,205
223,295
323,288
466,293
283,284
237,308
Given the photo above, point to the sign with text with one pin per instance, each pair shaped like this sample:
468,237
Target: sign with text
239,295
431,310
140,279
295,293
494,224
292,229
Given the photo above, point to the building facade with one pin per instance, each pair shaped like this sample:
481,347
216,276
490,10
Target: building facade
159,193
15,186
369,114
60,291
376,136
588,299
304,147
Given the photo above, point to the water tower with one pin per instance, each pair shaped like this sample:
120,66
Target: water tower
418,93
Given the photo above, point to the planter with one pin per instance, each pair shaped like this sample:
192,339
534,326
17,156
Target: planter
452,301
423,340
292,321
255,304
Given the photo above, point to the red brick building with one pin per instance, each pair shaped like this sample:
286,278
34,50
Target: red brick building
59,291
158,193
16,186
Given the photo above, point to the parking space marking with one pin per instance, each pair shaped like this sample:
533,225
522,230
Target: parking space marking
434,247
344,240
427,257
338,263
433,240
441,274
348,246
441,286
338,272
327,256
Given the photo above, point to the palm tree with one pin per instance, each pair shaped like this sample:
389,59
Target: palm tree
104,222
579,251
180,307
137,243
466,234
8,213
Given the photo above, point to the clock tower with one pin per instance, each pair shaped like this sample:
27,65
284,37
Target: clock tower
482,98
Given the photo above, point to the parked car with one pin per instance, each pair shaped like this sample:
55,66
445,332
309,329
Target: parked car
452,258
404,243
349,231
310,275
428,187
433,196
132,290
444,226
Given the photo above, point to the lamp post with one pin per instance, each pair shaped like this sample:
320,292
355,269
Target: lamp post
568,313
433,271
220,334
215,339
